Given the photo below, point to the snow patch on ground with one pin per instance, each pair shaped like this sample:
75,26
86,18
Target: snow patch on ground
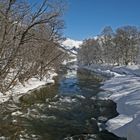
32,83
124,88
126,93
118,125
103,70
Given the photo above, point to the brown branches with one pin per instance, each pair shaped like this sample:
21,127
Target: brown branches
28,40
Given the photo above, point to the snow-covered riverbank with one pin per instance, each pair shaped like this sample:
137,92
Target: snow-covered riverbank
124,85
32,83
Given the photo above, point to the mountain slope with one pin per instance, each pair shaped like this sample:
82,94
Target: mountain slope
70,43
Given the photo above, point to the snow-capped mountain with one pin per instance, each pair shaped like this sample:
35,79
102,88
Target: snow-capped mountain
70,43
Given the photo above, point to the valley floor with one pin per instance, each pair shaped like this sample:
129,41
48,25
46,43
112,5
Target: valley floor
124,89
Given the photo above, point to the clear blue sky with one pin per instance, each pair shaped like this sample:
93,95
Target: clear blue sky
86,18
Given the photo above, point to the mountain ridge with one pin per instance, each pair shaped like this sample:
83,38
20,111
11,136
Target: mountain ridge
71,43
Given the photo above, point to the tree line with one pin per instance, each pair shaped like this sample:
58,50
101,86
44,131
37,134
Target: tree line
30,36
119,47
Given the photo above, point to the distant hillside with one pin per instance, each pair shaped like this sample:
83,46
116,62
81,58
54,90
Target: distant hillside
71,45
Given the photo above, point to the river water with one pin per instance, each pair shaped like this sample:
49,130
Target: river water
71,109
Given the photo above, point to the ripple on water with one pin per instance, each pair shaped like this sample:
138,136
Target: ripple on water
69,110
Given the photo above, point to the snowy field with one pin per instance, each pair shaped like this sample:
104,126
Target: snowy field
124,87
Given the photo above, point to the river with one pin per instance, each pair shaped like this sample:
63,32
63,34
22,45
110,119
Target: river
71,109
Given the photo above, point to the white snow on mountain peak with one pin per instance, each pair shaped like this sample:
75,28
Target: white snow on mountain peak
72,43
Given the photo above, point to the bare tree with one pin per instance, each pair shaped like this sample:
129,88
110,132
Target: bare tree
126,40
29,39
115,48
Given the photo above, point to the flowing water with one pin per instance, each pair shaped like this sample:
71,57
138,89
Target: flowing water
71,109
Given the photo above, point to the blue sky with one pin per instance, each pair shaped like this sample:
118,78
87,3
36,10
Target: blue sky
86,18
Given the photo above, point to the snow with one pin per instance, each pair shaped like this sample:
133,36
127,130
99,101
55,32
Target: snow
105,70
124,89
119,124
70,43
67,100
126,93
16,113
31,84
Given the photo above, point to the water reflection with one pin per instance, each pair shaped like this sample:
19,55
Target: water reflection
69,110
